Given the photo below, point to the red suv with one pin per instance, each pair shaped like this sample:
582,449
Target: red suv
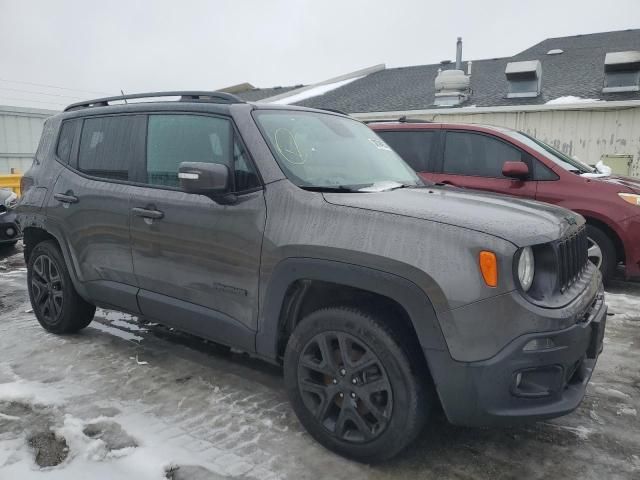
506,161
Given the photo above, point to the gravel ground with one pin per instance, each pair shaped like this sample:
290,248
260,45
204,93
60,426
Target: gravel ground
126,399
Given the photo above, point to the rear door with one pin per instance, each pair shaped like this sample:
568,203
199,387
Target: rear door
91,203
197,264
421,149
474,160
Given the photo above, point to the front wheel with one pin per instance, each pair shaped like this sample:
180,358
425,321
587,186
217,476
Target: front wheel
55,302
601,252
355,384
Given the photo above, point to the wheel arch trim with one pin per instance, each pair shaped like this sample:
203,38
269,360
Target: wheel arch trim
404,292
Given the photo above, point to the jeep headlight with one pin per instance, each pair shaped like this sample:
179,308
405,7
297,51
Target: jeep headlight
630,198
11,200
526,268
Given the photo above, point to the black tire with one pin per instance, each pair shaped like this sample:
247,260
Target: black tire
396,387
55,302
608,260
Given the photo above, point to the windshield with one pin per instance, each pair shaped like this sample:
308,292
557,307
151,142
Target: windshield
326,151
559,158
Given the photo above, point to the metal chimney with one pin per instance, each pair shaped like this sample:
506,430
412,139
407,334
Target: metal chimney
459,54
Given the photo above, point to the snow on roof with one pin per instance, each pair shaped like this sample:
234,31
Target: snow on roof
314,91
571,99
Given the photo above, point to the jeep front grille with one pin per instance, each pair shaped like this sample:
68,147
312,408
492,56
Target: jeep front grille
572,258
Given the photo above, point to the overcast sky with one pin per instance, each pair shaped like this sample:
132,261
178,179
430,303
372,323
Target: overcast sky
90,46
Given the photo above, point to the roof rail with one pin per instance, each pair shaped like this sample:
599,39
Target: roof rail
185,96
402,119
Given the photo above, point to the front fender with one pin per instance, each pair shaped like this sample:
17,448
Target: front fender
404,292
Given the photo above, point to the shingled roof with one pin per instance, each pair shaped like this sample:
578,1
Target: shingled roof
578,71
256,94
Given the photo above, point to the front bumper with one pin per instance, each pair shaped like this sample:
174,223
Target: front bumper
9,229
521,384
631,239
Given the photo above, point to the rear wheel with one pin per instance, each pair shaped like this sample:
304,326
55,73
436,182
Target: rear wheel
55,302
602,252
355,384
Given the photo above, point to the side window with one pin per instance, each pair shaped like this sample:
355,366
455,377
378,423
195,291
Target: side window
415,148
245,174
477,155
542,172
108,146
65,140
173,139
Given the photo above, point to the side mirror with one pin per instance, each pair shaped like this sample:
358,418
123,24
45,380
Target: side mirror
203,178
517,170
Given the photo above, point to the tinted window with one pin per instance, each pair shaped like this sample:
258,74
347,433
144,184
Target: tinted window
414,147
65,140
108,146
173,139
478,155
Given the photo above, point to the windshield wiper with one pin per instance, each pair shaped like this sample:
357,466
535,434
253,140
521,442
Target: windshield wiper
330,188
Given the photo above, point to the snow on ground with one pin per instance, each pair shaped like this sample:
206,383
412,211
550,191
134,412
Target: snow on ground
314,91
126,399
570,99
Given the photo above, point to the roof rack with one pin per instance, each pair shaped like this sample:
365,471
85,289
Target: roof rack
185,96
402,119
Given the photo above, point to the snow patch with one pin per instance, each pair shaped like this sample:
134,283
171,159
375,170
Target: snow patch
314,91
116,332
627,410
570,99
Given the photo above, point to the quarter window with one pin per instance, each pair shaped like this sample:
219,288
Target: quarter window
477,155
65,141
173,139
108,146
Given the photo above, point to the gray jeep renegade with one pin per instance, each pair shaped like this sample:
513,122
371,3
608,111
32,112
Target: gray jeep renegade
300,237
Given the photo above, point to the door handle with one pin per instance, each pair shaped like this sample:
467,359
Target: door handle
146,213
448,182
65,198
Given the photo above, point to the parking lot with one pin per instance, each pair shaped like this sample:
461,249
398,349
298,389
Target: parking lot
129,399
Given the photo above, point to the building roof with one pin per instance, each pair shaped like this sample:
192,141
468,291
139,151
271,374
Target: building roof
256,94
578,71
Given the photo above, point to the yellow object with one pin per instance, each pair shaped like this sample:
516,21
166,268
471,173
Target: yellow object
489,268
11,181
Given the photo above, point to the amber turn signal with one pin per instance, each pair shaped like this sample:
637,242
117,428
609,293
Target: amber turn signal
489,268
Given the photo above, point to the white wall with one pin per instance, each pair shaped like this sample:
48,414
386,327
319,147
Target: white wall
586,131
20,130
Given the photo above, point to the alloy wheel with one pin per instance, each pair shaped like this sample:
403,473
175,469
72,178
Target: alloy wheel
47,288
345,386
594,252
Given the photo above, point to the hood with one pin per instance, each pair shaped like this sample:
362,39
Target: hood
521,222
632,185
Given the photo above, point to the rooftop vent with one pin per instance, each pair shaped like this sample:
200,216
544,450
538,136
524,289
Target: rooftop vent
524,78
555,51
622,72
452,86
